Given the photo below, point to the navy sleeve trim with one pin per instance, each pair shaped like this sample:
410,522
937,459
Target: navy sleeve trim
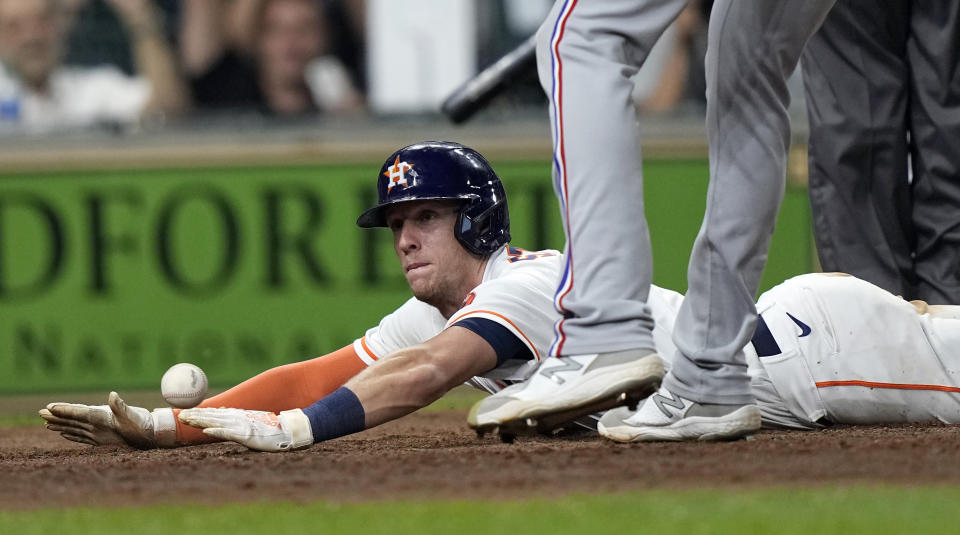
506,344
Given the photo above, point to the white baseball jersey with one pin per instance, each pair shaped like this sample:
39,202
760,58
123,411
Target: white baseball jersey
829,348
516,293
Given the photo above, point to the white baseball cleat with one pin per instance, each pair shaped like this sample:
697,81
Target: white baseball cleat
563,389
665,416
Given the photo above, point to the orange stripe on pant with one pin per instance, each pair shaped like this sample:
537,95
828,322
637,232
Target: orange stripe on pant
894,386
290,386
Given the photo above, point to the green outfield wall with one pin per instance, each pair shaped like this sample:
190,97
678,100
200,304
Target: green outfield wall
107,278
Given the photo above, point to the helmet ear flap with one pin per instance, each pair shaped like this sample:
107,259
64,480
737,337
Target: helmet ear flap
464,232
485,232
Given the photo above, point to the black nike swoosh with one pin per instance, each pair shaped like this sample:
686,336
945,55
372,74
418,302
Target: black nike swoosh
804,328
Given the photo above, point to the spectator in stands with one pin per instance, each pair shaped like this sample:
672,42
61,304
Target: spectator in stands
38,94
673,72
272,55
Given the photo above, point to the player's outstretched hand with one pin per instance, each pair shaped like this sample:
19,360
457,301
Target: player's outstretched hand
89,424
102,425
257,430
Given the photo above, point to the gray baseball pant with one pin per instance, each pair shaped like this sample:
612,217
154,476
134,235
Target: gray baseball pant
587,51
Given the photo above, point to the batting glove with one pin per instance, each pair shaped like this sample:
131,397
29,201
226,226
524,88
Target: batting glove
111,424
257,430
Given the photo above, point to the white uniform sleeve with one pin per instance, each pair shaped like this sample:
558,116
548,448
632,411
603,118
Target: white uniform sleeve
521,302
413,323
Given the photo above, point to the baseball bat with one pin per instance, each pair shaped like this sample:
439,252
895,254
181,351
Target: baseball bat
476,92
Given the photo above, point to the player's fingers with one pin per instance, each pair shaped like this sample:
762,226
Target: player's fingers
222,434
60,428
78,438
47,415
210,421
125,417
191,417
207,417
90,417
73,431
204,412
66,425
62,405
69,410
117,405
51,418
134,424
87,416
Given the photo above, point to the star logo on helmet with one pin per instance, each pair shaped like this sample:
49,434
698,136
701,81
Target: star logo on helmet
396,174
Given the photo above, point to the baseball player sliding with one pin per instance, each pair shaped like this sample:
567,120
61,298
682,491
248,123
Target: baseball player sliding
829,349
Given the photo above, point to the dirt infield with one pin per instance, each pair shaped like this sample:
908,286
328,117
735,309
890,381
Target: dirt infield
435,456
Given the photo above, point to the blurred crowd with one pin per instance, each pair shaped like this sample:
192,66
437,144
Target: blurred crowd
122,64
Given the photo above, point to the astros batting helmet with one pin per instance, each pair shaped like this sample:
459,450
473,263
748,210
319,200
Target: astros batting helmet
445,170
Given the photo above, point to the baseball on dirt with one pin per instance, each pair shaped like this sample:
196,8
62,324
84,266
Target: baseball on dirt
184,385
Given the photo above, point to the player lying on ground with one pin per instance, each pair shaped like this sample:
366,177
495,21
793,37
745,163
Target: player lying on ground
830,349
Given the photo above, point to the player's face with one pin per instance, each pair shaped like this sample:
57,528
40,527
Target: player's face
292,34
30,38
438,269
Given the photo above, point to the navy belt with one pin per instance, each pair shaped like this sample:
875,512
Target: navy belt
763,341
